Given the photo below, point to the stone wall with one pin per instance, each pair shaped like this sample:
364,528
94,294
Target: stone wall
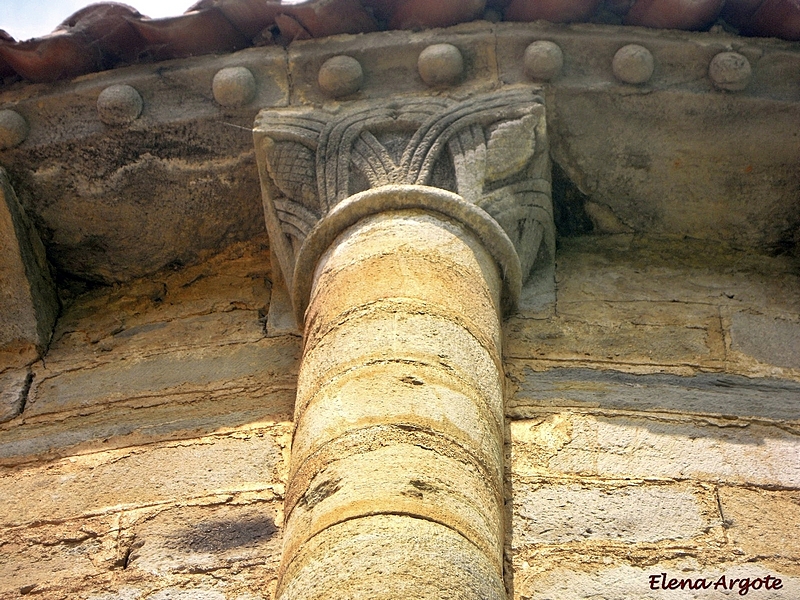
652,427
150,454
652,410
653,421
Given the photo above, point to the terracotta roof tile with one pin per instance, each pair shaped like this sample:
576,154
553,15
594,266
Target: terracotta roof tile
674,14
560,11
109,34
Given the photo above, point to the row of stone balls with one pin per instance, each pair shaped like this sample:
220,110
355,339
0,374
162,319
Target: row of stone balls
443,65
634,64
439,65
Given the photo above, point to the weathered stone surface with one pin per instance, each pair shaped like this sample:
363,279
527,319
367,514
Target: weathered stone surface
196,371
177,182
440,65
680,184
13,129
686,161
762,523
205,539
189,590
124,593
121,335
627,343
57,557
184,594
543,60
636,269
220,300
641,447
131,424
28,302
770,340
383,556
610,311
682,115
196,218
633,64
14,387
712,394
389,394
651,304
251,583
119,105
683,58
280,318
234,86
422,483
555,513
389,61
133,477
730,71
341,76
652,175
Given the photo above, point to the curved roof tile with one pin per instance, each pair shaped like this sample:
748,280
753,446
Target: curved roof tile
108,34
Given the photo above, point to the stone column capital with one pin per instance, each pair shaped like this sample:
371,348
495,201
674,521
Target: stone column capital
483,161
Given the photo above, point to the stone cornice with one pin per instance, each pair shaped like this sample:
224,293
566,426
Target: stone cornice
196,115
493,53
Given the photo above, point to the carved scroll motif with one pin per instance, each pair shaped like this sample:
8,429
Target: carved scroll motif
492,150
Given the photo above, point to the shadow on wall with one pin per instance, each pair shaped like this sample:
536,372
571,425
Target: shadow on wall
569,206
224,534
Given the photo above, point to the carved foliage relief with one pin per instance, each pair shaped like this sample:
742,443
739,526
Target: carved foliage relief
492,150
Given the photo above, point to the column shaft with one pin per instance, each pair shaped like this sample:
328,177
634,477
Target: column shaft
396,476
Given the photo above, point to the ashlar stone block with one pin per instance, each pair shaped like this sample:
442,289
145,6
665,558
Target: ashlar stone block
28,301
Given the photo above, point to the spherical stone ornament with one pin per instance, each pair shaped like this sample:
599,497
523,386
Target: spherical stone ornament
730,71
543,60
13,129
234,86
119,105
340,76
633,64
440,65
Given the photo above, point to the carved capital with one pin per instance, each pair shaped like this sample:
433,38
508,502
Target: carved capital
483,161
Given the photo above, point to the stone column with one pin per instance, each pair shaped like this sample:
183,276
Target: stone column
396,477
